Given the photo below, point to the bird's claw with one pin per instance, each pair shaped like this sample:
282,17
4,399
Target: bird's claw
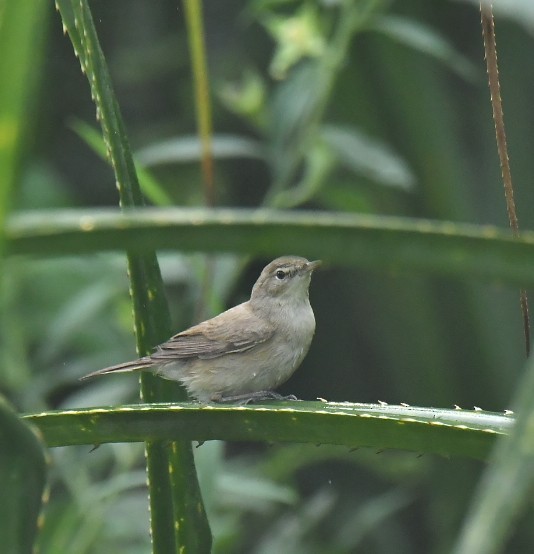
244,399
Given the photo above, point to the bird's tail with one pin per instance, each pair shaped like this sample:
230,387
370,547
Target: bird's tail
135,365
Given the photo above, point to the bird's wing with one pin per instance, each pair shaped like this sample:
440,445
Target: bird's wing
235,330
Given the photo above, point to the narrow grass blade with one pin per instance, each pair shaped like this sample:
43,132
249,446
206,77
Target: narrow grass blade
151,317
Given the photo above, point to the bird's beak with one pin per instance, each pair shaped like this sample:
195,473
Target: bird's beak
311,266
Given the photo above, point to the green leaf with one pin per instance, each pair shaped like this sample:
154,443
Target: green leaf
427,40
376,242
150,186
506,486
22,482
189,149
299,104
22,30
368,157
446,432
177,511
22,459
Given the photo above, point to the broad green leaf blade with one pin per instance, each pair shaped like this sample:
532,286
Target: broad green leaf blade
506,486
447,432
22,482
170,520
377,242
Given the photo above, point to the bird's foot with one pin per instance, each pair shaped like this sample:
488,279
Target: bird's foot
251,397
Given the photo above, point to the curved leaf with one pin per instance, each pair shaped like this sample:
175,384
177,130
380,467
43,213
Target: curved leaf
189,149
427,40
377,242
447,432
368,156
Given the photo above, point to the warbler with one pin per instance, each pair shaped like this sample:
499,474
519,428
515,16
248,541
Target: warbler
244,353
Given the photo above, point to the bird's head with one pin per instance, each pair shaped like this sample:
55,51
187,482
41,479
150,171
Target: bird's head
285,279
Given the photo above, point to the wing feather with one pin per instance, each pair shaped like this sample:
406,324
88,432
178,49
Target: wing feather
235,330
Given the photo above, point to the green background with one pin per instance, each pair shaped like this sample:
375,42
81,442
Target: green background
396,121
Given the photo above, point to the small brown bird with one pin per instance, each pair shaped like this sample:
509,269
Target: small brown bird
244,353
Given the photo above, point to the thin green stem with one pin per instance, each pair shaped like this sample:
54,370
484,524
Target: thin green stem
353,16
195,28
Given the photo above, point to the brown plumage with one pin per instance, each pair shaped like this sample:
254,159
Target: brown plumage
246,351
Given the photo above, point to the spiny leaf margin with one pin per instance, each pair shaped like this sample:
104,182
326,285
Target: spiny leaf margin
376,242
440,431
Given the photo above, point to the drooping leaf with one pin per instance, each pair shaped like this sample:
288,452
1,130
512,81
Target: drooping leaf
374,242
188,149
368,157
427,40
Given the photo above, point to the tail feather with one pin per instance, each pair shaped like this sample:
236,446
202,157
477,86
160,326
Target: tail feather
135,365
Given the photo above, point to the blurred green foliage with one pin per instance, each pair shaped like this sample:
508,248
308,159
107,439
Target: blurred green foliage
369,107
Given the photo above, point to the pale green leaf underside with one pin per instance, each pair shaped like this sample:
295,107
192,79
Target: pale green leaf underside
447,432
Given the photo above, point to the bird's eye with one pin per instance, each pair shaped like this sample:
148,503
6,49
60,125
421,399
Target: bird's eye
281,275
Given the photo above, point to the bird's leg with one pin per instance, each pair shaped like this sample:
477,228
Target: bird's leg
247,398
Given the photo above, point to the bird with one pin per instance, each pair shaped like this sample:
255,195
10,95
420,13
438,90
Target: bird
244,353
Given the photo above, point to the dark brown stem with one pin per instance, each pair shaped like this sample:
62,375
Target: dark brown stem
490,50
